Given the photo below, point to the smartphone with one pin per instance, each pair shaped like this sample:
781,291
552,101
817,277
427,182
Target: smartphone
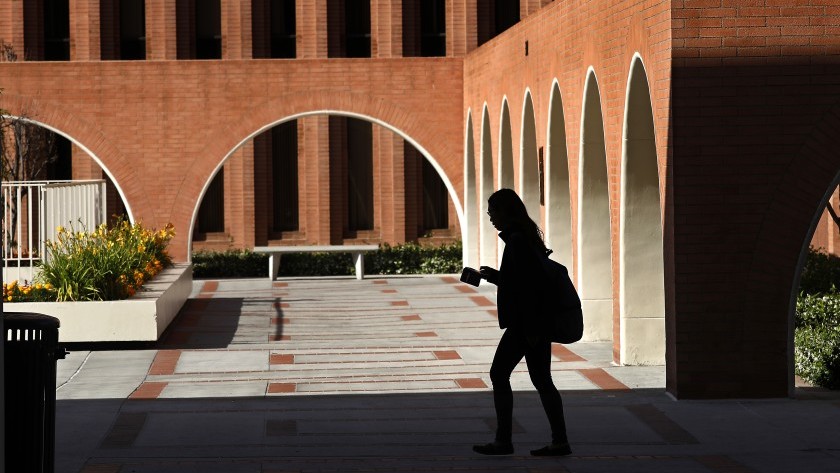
471,277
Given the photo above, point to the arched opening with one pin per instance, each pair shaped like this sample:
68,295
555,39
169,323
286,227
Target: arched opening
529,172
49,180
505,149
279,171
558,222
470,231
594,266
488,233
642,277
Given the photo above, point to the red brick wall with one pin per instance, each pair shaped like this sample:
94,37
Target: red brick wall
162,127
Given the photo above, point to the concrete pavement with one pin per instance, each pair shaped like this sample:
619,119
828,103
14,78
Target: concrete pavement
390,375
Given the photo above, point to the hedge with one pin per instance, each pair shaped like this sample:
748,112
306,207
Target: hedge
406,258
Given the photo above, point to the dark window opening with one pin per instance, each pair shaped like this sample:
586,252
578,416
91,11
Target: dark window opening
424,28
61,169
132,29
211,214
348,27
494,17
284,169
357,27
359,175
208,29
56,30
435,199
283,27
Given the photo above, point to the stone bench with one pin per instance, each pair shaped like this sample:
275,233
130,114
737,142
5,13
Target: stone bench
357,251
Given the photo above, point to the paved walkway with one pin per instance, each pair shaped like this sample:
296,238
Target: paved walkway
390,375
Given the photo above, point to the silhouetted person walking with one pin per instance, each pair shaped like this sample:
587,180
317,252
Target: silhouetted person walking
521,288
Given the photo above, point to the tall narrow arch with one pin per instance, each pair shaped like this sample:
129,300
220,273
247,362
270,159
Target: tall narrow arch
488,233
529,175
505,148
594,251
641,273
469,231
558,222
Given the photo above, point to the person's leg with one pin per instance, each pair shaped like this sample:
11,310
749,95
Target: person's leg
538,358
510,351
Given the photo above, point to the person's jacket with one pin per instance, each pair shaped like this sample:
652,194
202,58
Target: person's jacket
521,285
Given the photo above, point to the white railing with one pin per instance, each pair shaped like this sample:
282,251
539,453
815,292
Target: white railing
32,210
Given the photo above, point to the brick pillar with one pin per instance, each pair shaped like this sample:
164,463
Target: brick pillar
11,25
263,201
311,29
389,182
161,31
461,27
386,28
314,179
84,30
83,166
236,29
239,196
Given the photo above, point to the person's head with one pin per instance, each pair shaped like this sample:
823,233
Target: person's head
508,212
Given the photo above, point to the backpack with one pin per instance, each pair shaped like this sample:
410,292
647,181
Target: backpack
561,303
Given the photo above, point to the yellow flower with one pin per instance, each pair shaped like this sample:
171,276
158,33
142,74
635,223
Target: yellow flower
59,229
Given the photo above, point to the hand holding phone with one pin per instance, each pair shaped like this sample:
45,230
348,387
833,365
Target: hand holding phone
471,277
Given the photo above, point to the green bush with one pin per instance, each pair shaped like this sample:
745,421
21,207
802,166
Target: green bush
817,339
407,258
230,263
821,273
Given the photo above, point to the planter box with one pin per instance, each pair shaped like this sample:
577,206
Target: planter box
143,317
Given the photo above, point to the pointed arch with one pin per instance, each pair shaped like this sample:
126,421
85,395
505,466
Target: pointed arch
488,233
642,266
558,221
505,148
470,228
594,249
529,175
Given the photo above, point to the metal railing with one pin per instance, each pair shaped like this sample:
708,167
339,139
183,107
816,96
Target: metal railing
32,210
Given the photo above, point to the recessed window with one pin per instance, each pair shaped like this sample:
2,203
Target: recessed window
424,28
56,30
284,170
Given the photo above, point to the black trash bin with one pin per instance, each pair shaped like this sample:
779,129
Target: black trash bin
31,350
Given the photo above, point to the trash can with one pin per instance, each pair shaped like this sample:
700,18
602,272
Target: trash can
31,350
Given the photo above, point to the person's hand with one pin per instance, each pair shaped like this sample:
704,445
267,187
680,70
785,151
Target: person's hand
488,273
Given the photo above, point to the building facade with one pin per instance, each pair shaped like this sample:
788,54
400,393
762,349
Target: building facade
678,153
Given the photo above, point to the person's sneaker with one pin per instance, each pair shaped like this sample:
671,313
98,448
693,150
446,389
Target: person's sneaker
553,450
494,448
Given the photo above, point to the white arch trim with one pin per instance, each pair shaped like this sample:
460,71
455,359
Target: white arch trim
452,193
90,153
469,231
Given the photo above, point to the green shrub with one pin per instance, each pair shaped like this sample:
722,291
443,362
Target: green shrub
407,258
817,339
821,273
230,263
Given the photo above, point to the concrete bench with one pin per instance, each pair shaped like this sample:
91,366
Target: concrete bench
274,252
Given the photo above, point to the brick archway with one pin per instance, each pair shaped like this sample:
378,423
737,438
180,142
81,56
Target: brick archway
86,137
271,113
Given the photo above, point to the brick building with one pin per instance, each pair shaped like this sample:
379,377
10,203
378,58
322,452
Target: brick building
678,153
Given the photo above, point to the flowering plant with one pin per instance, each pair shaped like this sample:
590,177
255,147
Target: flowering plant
104,264
14,292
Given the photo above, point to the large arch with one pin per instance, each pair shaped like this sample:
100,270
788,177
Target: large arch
470,230
529,175
594,250
89,152
642,266
343,113
558,218
488,233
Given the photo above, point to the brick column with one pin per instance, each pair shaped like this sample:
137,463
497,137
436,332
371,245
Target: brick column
11,25
84,30
236,29
386,28
314,184
161,31
311,29
389,182
461,27
239,196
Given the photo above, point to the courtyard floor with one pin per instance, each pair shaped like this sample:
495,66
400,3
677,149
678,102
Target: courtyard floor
390,375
